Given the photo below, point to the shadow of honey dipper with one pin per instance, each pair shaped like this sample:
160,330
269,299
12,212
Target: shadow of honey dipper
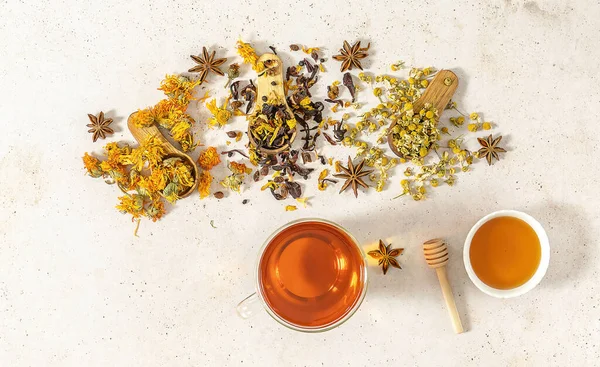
141,134
436,256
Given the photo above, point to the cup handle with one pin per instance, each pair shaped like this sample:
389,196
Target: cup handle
249,306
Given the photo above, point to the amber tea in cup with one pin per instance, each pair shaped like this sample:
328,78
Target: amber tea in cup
311,275
506,253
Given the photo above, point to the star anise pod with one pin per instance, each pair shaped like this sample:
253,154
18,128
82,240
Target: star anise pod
490,148
386,256
99,126
353,176
350,56
206,63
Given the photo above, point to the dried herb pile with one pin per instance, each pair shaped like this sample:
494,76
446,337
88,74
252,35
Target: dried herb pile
170,113
431,146
272,125
145,174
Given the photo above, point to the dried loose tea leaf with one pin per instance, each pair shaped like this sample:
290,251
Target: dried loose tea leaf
329,139
294,189
338,101
234,88
306,157
348,83
294,47
231,153
339,131
264,170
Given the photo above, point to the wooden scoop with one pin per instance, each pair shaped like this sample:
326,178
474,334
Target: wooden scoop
270,83
141,134
436,255
438,93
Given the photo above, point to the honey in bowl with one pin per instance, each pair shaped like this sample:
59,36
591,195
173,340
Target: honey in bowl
505,252
311,274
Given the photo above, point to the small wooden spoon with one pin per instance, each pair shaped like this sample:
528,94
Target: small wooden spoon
436,255
268,84
438,93
141,134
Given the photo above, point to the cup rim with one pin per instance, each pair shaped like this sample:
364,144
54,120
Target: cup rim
539,273
310,329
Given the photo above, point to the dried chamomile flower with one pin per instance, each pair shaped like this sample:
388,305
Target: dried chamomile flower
397,66
363,77
383,168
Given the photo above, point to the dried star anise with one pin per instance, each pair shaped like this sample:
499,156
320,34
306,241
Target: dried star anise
99,126
490,148
352,174
350,56
206,63
386,256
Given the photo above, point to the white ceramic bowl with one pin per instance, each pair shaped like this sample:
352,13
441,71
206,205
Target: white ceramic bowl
537,276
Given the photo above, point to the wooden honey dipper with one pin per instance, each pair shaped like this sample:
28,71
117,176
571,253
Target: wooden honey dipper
436,255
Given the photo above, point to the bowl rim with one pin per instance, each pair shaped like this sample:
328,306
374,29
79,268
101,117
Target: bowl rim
539,273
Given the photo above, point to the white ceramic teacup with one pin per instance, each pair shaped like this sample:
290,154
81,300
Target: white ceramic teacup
537,276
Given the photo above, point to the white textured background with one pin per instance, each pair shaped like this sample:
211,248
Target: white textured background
77,289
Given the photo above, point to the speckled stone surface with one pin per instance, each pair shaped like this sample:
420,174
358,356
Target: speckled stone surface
77,289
